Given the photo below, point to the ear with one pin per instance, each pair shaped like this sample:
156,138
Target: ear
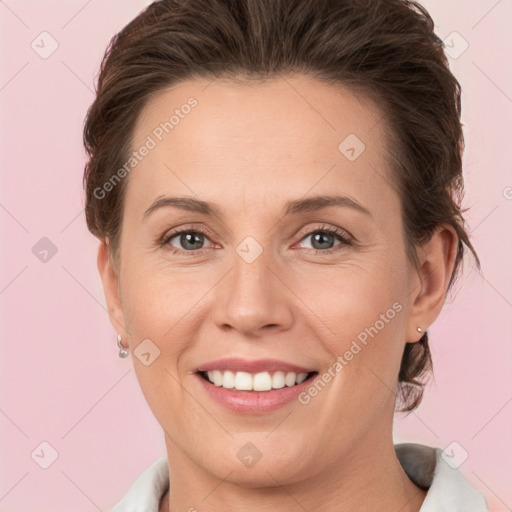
436,262
110,282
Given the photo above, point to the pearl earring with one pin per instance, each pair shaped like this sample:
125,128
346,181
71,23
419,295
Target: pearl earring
419,329
122,351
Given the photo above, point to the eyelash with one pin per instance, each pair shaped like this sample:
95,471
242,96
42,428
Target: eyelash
343,237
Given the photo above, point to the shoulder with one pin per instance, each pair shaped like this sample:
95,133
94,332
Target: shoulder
434,470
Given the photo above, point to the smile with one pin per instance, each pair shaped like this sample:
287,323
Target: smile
253,386
262,381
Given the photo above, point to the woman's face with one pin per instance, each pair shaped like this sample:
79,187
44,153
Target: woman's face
254,281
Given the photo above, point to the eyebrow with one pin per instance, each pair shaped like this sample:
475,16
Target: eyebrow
292,207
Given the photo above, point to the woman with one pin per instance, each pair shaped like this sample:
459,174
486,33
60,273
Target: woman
228,142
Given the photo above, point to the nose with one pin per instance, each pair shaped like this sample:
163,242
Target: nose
252,299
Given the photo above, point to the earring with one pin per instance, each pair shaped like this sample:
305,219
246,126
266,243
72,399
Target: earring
122,351
419,329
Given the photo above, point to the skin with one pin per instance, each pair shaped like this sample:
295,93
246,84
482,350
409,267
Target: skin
249,148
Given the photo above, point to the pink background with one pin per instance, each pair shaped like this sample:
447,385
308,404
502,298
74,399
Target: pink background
61,380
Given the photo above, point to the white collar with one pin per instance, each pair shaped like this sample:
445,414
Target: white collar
448,488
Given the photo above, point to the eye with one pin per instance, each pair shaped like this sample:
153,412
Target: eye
190,240
324,236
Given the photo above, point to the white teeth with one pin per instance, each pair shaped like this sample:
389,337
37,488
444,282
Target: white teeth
301,377
217,377
228,380
263,381
290,378
243,381
278,380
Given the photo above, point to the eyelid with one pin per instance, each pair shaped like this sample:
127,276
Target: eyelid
344,236
343,233
188,228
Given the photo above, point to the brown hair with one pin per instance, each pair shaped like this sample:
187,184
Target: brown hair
386,49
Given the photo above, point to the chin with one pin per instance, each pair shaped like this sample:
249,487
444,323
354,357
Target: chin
253,468
269,473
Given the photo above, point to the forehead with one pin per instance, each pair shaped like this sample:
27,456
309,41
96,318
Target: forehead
292,107
282,135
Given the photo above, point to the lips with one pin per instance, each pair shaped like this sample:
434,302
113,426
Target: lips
253,387
235,364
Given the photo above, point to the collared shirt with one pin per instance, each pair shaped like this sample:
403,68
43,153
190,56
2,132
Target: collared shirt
448,489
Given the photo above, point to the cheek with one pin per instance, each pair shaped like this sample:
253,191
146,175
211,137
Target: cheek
367,319
365,312
158,302
157,309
